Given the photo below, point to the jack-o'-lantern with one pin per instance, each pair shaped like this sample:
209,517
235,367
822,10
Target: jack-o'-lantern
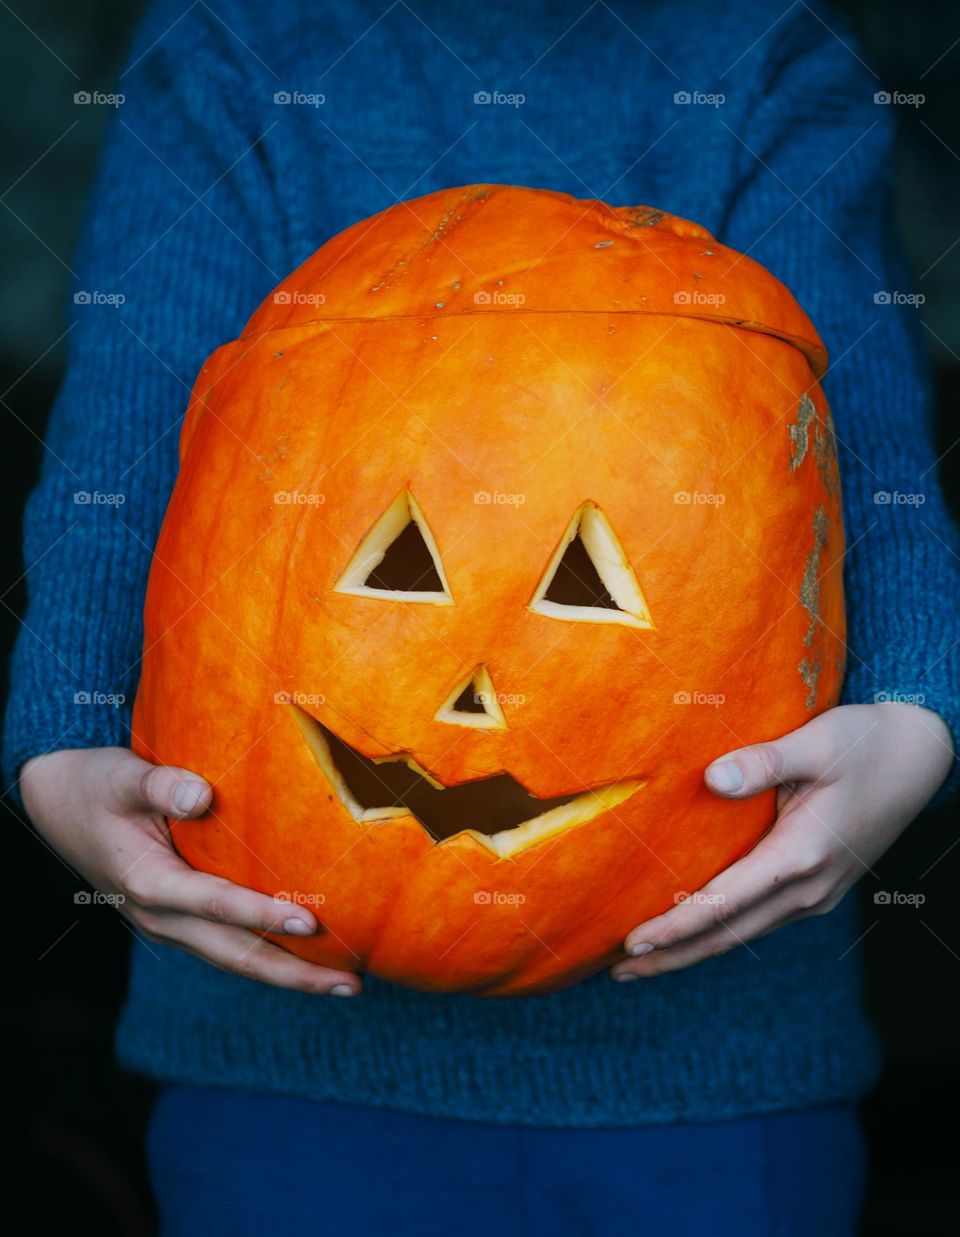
504,516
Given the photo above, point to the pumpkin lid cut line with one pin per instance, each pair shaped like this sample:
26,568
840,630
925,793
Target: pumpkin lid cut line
813,351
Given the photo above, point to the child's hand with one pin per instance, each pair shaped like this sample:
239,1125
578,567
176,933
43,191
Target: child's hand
849,782
103,810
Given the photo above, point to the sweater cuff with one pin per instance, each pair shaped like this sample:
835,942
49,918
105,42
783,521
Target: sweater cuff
938,689
38,723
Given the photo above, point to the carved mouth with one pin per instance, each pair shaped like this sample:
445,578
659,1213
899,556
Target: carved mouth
498,811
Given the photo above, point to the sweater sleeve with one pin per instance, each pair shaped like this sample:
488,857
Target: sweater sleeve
171,259
814,205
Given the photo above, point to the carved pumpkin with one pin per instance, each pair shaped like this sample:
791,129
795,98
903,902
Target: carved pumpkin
504,516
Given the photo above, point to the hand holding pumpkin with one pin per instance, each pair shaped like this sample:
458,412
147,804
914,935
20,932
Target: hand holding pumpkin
848,783
104,809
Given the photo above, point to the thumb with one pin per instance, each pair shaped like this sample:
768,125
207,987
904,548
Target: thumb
749,770
161,788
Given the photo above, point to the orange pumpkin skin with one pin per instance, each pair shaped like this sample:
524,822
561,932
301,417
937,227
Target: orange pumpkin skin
545,353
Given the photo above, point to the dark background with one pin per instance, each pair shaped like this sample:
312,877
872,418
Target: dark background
72,1124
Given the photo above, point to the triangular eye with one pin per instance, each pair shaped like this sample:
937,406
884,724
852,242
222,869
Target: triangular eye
589,579
473,702
398,559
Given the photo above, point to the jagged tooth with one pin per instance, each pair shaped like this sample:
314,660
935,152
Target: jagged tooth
411,764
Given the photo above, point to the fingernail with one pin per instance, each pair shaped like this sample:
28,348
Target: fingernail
638,948
624,977
341,990
297,927
188,795
725,775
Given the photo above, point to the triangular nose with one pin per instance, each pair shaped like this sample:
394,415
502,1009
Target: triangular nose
473,702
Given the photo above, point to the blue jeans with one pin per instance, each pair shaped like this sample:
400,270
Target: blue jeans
235,1163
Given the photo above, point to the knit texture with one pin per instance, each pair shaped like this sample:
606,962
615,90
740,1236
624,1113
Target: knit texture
209,192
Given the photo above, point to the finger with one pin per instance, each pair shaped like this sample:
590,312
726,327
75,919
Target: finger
172,791
795,902
172,885
791,852
135,785
246,954
797,757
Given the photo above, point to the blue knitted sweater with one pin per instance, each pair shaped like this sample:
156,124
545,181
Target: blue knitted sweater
758,123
